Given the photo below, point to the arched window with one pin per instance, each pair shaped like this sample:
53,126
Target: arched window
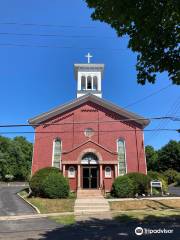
95,83
108,172
89,158
71,172
121,156
57,153
89,83
83,83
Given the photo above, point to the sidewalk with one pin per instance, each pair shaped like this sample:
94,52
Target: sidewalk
33,216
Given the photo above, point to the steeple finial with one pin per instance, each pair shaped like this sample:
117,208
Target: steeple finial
89,56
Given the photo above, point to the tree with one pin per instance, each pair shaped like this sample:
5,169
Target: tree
151,158
153,30
169,156
15,157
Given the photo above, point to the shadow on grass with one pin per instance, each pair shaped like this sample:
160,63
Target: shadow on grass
95,229
147,218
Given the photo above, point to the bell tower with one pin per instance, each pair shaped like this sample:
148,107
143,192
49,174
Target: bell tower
89,76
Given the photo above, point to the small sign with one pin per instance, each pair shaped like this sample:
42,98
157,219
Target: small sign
156,184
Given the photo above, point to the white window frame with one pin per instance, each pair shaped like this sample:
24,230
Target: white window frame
122,139
70,175
109,173
60,160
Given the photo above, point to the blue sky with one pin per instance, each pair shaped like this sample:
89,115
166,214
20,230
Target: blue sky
36,72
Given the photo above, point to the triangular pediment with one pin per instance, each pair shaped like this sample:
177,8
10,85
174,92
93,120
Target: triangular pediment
84,99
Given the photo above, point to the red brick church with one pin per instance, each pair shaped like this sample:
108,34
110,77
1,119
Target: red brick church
91,140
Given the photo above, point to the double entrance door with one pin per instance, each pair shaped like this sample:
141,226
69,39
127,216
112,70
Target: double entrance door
90,177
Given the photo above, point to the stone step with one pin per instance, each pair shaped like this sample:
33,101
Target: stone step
91,208
93,200
91,205
89,197
89,211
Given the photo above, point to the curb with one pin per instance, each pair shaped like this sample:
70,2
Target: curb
34,207
33,216
140,199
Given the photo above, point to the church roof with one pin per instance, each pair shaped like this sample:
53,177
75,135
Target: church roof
89,98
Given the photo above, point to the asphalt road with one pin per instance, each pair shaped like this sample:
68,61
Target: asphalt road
33,229
44,228
174,190
11,204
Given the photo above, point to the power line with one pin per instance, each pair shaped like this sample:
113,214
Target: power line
103,131
46,25
173,110
54,35
57,46
173,118
148,96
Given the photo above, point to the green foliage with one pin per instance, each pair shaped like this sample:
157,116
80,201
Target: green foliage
151,158
178,179
15,157
169,156
152,28
122,187
55,185
171,175
140,182
37,180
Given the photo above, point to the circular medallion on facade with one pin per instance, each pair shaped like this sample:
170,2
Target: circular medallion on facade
88,132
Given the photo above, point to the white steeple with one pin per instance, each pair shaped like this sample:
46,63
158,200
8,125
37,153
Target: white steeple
89,77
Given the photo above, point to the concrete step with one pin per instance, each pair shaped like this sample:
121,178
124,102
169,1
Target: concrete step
93,205
93,200
88,211
91,209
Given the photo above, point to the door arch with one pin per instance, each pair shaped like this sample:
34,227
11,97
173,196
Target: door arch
90,171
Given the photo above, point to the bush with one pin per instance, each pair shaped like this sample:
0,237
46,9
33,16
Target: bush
171,175
123,186
178,179
55,185
141,182
158,176
37,180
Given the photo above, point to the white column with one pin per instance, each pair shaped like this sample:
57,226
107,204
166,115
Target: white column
79,176
116,171
101,176
64,170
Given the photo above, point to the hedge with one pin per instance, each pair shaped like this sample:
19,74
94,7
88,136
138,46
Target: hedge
37,180
141,182
123,186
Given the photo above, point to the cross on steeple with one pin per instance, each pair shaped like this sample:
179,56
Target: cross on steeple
89,56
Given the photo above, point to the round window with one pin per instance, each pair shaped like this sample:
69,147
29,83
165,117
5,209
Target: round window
88,132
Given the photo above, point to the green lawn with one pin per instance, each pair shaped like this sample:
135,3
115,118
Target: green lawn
145,204
46,205
147,215
52,205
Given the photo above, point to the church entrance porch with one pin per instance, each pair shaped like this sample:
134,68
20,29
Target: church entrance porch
90,177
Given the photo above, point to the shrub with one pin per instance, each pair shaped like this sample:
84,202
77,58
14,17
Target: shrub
140,182
158,176
178,179
123,186
37,180
171,175
55,185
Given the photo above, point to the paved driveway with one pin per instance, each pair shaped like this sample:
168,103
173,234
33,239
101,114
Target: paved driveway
11,204
174,190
